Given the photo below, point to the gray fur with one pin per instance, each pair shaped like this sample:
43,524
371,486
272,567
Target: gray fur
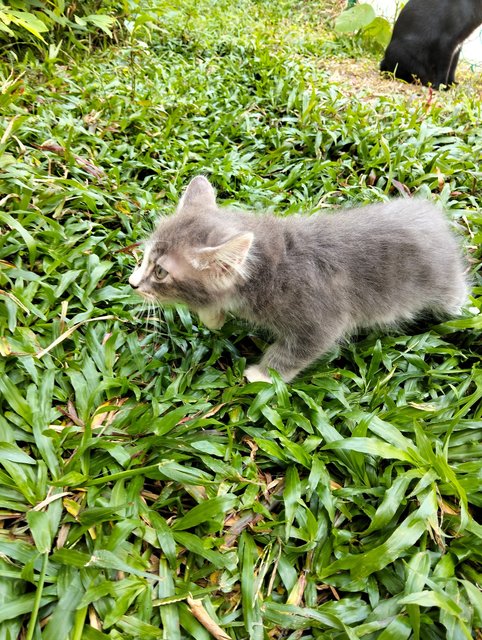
309,280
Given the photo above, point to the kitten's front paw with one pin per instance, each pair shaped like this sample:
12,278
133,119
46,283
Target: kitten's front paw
254,374
212,319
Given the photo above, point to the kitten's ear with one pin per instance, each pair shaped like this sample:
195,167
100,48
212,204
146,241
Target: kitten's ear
199,193
227,258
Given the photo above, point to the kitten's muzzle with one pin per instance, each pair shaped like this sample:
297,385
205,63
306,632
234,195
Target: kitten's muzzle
134,281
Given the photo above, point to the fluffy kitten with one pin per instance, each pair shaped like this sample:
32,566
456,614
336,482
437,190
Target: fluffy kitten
427,38
308,280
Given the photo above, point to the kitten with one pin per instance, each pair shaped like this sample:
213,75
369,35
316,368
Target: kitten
308,280
427,38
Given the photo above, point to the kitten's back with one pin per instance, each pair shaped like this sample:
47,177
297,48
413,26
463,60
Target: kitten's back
379,263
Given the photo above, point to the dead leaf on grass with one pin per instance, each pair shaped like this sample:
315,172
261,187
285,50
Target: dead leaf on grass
202,616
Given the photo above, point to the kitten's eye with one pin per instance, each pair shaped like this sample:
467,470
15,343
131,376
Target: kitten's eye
160,273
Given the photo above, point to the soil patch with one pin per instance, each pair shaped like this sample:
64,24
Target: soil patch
361,78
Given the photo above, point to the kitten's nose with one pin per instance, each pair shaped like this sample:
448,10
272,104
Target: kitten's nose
133,282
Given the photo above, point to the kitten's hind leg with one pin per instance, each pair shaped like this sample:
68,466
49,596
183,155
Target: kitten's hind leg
453,298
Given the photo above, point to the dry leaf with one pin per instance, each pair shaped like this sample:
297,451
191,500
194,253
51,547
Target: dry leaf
202,616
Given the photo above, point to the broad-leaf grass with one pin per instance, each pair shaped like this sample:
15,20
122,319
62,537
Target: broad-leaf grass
138,471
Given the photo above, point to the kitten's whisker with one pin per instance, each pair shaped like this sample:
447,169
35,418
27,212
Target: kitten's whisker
149,315
140,311
159,314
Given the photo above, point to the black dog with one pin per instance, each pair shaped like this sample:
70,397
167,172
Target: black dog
427,38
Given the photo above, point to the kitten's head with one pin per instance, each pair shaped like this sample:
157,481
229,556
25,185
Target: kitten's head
196,256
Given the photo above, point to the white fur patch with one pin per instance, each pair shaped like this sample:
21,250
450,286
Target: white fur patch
212,318
254,374
139,272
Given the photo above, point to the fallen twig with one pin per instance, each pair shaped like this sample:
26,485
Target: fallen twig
88,165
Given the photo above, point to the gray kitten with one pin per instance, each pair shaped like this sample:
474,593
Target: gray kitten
308,280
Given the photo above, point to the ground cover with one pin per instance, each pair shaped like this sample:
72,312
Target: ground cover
140,477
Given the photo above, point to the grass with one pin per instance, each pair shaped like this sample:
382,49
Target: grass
146,491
